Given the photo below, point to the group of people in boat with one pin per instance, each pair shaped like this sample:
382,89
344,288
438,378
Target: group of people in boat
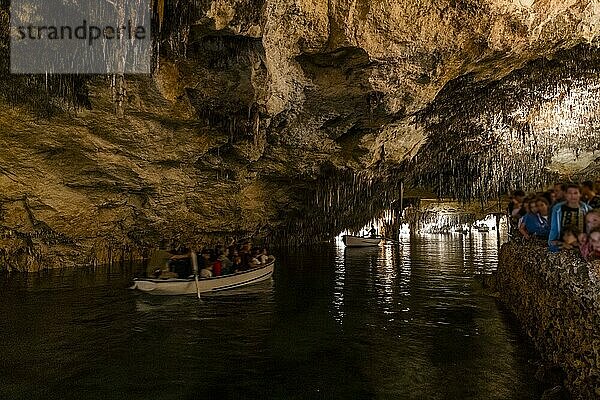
567,216
212,262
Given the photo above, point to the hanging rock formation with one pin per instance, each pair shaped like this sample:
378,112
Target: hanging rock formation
288,119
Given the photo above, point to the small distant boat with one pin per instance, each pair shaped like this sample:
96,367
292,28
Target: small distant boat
483,228
214,284
358,241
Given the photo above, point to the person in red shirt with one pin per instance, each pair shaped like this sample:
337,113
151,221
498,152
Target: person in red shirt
217,266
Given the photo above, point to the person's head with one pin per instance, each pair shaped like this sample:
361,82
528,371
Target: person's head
533,206
587,188
264,251
569,235
518,195
592,220
542,205
525,204
594,239
573,195
206,254
559,191
550,195
237,260
182,250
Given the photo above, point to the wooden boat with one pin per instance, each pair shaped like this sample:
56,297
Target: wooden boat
214,284
358,241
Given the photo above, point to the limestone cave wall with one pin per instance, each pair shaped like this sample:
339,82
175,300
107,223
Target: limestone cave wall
279,119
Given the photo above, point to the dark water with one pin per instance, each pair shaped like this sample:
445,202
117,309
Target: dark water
384,323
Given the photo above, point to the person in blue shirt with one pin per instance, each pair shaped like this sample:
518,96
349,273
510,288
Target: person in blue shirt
569,213
535,223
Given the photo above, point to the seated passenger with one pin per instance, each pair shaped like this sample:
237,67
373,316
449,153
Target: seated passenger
217,268
206,272
226,262
372,232
246,260
165,274
254,261
181,263
246,247
263,256
204,260
237,265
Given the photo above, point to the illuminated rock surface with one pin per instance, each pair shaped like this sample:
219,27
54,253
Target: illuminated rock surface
293,120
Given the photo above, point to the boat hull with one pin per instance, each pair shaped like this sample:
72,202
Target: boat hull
357,241
175,286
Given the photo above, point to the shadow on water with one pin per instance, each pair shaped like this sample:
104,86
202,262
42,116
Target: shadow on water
393,322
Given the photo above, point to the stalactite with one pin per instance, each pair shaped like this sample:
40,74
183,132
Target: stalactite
160,9
502,135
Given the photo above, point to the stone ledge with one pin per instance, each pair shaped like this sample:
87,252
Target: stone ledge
556,298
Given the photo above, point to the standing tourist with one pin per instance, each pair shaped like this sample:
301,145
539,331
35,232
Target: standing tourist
588,192
567,214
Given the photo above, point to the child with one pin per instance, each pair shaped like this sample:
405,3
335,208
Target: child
569,239
592,220
594,243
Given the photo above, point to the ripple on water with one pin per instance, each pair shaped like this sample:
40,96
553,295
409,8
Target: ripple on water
383,323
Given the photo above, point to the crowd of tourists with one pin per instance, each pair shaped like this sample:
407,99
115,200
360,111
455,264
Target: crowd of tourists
212,262
566,216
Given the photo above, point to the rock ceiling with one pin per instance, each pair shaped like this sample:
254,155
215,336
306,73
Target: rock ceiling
262,117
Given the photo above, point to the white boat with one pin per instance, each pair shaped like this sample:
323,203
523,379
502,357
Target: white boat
214,284
483,228
357,241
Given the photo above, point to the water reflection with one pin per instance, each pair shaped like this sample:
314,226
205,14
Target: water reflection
390,322
423,293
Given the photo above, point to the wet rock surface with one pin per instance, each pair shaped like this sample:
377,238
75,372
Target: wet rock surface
284,120
556,298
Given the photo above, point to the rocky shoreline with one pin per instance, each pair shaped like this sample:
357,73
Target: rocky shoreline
556,298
